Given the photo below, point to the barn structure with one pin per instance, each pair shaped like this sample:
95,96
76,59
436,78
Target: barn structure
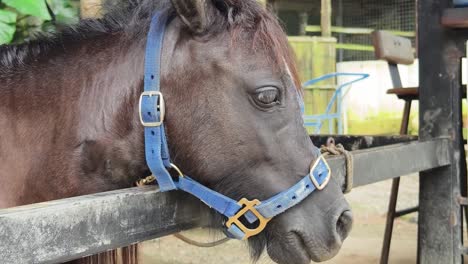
68,229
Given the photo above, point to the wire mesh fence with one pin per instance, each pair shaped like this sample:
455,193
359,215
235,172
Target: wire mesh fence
353,20
392,15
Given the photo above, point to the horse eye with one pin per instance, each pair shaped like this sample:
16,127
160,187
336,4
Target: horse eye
267,96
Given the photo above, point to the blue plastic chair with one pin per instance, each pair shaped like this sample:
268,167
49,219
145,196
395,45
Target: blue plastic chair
316,121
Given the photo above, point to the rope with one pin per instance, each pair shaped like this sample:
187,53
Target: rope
332,149
201,244
146,181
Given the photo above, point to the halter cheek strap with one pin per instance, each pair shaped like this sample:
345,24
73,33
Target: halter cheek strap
152,107
239,213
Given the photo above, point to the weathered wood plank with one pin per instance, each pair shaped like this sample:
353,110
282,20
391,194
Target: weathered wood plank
388,162
353,142
393,49
440,52
67,229
325,20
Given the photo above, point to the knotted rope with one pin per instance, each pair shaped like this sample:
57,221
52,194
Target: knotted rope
337,149
146,181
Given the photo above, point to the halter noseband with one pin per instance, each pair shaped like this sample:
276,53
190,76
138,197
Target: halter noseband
152,112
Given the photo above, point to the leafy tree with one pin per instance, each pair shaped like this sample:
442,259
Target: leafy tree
20,19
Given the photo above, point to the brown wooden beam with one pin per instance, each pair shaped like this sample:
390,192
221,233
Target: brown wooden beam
455,17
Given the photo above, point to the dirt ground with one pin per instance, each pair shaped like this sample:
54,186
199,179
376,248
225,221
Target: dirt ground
369,205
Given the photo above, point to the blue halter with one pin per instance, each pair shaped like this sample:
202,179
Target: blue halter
152,112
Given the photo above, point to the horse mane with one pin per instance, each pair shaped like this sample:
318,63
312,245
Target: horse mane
122,18
132,18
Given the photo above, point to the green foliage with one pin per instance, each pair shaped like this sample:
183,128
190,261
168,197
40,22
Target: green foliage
7,26
20,19
35,8
66,11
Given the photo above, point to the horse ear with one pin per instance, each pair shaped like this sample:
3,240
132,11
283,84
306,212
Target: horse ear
194,13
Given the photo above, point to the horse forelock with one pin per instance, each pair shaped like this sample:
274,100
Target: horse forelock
267,35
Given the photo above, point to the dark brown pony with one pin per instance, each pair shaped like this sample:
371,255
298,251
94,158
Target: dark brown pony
69,117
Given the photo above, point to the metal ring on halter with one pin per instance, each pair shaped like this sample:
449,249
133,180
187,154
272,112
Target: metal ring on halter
173,166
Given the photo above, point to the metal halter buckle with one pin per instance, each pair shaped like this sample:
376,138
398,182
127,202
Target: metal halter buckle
160,107
311,174
248,206
179,171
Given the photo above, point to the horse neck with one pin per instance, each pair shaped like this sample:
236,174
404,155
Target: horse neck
62,118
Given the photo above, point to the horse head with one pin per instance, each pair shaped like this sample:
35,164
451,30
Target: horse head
233,116
234,122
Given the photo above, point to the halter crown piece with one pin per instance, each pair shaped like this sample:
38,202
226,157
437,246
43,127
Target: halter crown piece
239,213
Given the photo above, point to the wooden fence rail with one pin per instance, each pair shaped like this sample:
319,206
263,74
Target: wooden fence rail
67,229
359,31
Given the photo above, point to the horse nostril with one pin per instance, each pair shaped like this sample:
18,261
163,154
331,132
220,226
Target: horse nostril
344,224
